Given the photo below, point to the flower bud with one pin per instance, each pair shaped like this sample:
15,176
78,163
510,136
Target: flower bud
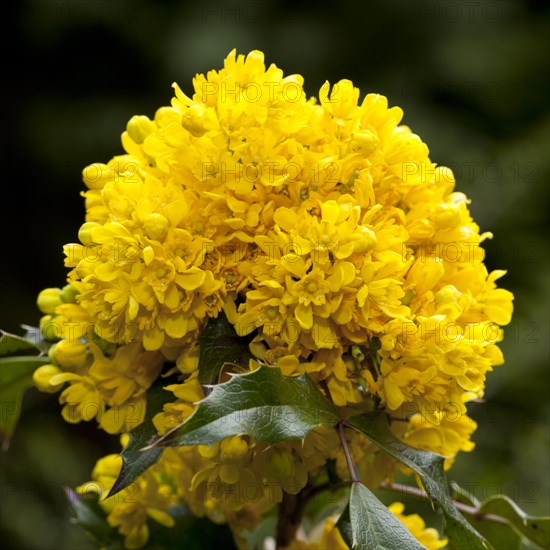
357,354
234,450
449,216
51,355
70,355
193,120
51,330
281,464
364,141
155,225
69,294
42,376
97,175
44,320
139,127
85,233
209,451
48,300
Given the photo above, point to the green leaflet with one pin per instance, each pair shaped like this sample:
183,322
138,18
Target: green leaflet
535,529
263,404
11,344
367,524
15,378
429,467
521,530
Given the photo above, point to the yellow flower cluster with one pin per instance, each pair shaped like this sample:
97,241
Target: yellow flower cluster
149,497
322,228
105,382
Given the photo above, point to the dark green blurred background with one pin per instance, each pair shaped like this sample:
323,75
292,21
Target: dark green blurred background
473,80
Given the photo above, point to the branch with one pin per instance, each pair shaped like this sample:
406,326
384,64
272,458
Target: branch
465,508
351,468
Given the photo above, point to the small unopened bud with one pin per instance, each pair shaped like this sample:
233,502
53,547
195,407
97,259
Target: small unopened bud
70,355
139,127
155,225
364,141
281,464
69,294
85,233
357,354
193,120
48,300
97,175
42,376
209,451
51,355
50,329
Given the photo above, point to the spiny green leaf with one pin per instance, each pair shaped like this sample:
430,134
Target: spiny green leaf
219,345
374,527
429,466
500,535
15,378
263,404
536,529
135,461
11,344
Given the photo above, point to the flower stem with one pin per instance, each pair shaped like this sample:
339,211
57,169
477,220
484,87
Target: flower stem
351,468
465,508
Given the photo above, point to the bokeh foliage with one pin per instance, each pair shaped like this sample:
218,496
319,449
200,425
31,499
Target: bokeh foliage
472,77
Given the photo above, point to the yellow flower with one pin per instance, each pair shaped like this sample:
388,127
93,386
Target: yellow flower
448,437
427,536
188,394
129,510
